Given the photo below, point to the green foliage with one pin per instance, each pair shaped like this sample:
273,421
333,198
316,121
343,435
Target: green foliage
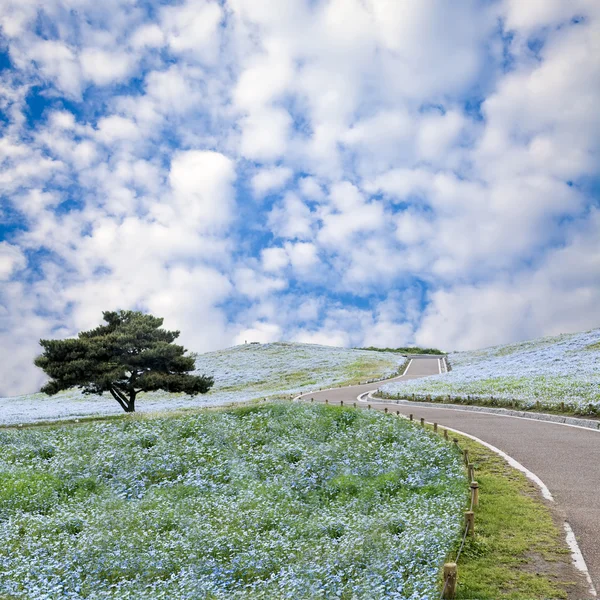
128,355
406,350
28,491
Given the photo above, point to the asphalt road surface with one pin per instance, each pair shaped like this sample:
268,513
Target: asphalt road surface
566,459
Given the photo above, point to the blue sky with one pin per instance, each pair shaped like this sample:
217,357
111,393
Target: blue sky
348,172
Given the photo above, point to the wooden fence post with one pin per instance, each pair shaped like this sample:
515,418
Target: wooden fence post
422,422
471,468
450,577
355,405
435,428
410,417
341,403
385,410
445,434
369,406
475,493
326,401
470,522
466,455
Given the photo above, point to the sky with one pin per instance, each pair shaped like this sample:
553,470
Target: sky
342,172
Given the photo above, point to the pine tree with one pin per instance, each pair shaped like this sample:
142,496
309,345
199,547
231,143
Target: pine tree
128,355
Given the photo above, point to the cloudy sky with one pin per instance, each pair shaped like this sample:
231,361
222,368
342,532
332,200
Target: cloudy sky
347,172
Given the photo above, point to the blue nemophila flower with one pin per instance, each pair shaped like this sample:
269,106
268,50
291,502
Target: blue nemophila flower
269,502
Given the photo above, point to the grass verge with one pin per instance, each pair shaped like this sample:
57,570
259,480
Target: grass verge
519,551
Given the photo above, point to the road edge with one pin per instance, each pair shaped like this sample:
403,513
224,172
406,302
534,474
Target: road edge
576,554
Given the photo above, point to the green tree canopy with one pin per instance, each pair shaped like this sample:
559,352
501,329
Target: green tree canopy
128,355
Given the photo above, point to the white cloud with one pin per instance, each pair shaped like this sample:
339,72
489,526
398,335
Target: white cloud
174,90
303,256
261,332
266,77
265,134
11,259
291,218
437,133
255,285
62,119
58,62
536,14
192,28
103,67
115,127
148,36
311,189
274,259
350,216
202,188
413,228
269,180
324,337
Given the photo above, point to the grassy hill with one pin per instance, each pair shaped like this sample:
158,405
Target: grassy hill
560,373
241,373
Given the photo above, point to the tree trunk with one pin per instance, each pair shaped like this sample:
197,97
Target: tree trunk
128,405
131,403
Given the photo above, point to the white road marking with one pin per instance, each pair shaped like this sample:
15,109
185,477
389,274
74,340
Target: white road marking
578,559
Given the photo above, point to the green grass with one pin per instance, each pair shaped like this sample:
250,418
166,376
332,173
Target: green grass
518,552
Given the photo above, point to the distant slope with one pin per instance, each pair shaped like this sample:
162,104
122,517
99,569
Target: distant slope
241,373
551,370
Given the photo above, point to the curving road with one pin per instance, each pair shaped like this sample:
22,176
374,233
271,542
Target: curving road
565,458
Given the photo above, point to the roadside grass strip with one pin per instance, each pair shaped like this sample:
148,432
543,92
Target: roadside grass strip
556,374
279,500
241,374
518,551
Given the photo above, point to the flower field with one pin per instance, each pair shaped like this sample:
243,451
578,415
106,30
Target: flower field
553,373
241,373
283,500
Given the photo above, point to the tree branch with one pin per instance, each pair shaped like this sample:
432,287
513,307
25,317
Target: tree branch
117,398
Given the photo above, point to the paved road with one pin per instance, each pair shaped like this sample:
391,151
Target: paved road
566,459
